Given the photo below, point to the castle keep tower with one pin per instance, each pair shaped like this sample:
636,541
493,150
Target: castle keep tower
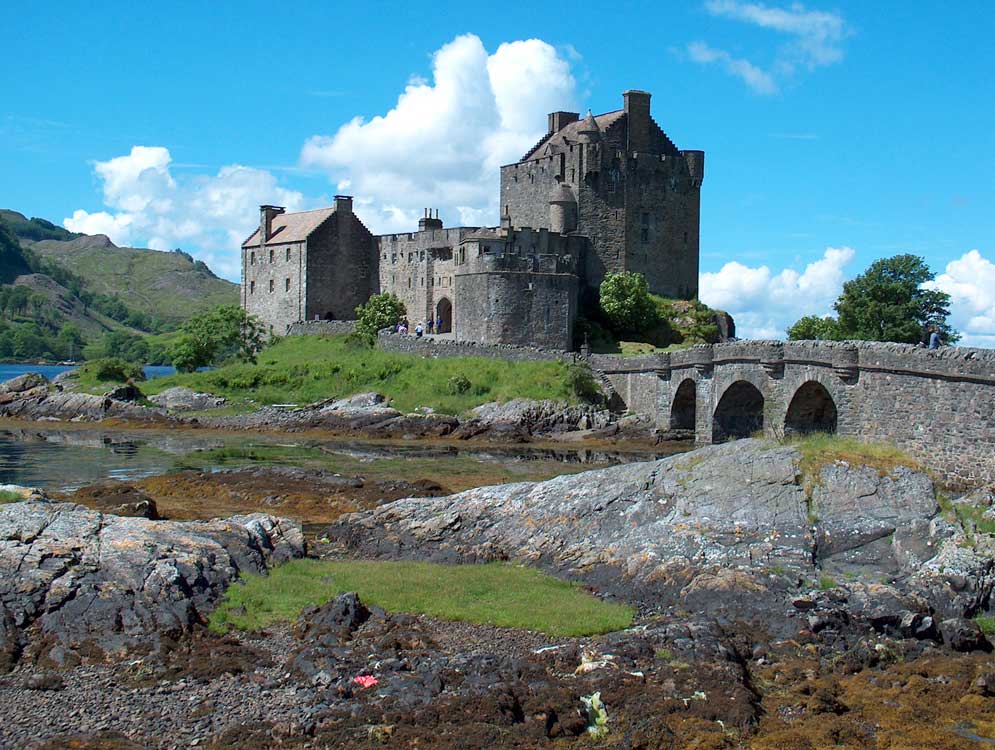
636,195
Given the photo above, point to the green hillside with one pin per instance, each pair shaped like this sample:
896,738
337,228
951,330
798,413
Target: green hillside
170,285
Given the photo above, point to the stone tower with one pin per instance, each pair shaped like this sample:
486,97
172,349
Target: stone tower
635,195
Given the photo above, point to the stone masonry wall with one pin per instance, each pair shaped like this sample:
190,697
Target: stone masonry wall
937,405
341,268
321,327
273,283
432,346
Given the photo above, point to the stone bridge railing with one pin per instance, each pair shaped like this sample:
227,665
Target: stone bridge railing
938,405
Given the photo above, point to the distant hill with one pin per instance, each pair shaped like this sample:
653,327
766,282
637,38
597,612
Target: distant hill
34,229
61,291
170,285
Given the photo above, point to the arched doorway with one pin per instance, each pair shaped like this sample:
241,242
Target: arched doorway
740,413
812,409
444,316
682,410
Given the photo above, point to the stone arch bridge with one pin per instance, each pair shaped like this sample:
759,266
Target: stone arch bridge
938,405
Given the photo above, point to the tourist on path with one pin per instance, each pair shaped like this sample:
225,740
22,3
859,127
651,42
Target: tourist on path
419,330
934,338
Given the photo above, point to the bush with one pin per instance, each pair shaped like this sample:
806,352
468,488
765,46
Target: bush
458,384
380,311
626,303
584,385
113,370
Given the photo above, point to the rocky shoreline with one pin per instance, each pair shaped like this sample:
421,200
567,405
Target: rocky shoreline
32,397
781,604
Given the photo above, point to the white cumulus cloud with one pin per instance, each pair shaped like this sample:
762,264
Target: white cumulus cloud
765,303
441,144
970,282
207,214
814,39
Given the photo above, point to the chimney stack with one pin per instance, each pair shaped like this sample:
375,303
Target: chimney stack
430,220
559,120
343,204
637,110
266,216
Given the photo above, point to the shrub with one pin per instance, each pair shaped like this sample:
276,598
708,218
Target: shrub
458,384
626,303
380,311
583,383
114,370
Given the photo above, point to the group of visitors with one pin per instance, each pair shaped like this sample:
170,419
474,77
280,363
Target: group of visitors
434,326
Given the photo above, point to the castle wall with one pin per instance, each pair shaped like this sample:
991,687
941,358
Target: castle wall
418,268
273,280
508,307
341,268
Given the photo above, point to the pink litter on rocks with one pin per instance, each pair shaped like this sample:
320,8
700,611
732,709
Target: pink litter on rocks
365,680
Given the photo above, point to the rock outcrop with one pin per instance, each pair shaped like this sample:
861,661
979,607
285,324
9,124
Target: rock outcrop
76,582
732,531
28,397
181,398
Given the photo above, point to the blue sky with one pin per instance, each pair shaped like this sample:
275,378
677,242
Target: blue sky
835,134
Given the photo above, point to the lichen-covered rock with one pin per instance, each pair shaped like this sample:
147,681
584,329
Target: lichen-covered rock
80,579
22,383
181,398
39,403
729,530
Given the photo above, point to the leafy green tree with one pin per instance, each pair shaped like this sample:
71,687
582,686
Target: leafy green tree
812,327
12,261
380,311
887,303
626,303
227,331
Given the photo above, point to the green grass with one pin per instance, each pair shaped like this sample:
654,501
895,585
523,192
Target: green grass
820,449
305,369
494,594
986,623
6,496
826,583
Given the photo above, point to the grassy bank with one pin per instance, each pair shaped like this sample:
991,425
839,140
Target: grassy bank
820,449
494,594
305,369
6,496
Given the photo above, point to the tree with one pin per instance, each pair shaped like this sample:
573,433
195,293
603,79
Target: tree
887,303
380,311
226,331
626,303
812,327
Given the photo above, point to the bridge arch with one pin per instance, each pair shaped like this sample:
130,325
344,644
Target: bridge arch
739,412
812,409
682,410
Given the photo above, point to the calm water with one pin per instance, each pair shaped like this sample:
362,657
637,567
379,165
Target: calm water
50,371
59,458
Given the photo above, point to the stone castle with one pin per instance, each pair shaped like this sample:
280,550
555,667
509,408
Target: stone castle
602,194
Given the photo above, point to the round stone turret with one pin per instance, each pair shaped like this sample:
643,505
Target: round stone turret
589,132
562,209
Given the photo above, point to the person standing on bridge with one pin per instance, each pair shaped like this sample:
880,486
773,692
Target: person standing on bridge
934,338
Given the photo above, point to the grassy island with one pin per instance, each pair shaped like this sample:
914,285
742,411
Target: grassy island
305,369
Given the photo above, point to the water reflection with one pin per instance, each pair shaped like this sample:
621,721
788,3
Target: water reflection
67,459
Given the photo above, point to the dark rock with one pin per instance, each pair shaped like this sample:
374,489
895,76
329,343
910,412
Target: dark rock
81,582
127,392
962,634
44,681
984,685
338,618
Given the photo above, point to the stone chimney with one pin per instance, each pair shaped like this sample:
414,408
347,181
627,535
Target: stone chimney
430,221
637,110
343,204
266,216
559,120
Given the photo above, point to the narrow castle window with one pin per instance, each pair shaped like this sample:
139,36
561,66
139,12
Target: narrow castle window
286,284
645,231
685,238
252,258
271,285
288,255
271,255
252,287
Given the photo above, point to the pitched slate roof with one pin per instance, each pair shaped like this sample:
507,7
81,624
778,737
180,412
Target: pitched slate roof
292,227
570,133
